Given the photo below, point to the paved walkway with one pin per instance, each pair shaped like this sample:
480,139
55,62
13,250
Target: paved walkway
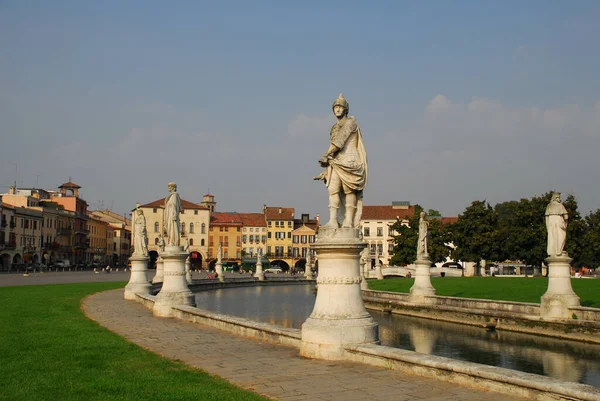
275,371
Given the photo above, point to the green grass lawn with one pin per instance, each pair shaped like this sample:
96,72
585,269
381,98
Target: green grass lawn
49,350
528,289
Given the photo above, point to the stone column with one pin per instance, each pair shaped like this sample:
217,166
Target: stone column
138,280
422,286
560,295
174,290
259,270
219,270
188,270
339,318
158,277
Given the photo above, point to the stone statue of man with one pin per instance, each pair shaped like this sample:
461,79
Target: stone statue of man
140,235
186,245
422,252
220,252
171,215
345,162
161,244
556,223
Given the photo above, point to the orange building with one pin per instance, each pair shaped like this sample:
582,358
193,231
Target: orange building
225,229
68,197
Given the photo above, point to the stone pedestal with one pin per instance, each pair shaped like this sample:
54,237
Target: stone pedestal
339,318
219,270
188,270
422,286
138,280
174,290
259,271
158,277
560,296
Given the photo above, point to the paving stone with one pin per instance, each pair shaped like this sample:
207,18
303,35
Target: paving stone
277,372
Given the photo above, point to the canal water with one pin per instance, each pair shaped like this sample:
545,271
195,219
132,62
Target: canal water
290,305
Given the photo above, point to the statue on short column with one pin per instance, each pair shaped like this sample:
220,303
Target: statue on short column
422,253
140,235
161,244
171,215
556,223
345,174
220,253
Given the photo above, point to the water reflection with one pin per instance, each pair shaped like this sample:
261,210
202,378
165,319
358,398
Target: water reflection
289,306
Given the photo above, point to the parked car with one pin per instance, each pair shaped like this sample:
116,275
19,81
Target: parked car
273,270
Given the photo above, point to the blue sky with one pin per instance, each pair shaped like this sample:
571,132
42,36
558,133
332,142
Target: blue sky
457,101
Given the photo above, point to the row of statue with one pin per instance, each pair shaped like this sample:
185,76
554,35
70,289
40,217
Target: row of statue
345,176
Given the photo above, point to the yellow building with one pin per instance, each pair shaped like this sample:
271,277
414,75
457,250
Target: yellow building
98,236
254,234
225,229
280,225
195,221
303,236
121,238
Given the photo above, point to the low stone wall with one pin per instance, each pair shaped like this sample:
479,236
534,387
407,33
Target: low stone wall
501,315
240,326
469,374
481,377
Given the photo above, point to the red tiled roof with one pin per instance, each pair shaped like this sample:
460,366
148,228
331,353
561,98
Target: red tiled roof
225,219
184,204
253,219
387,212
69,185
449,220
313,224
279,213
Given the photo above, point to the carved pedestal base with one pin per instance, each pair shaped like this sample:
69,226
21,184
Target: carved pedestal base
158,277
339,318
174,290
422,286
560,296
138,280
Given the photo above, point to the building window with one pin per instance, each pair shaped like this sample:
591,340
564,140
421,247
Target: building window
156,226
303,239
295,239
244,239
156,241
380,231
289,234
195,212
225,254
251,229
380,248
191,228
251,238
182,227
203,230
295,252
367,232
202,242
311,239
238,229
269,234
304,250
191,241
269,223
289,223
154,210
391,248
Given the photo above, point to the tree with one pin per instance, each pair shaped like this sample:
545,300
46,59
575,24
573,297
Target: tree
475,234
405,242
590,249
523,234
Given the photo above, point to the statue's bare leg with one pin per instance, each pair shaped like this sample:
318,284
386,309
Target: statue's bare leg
350,210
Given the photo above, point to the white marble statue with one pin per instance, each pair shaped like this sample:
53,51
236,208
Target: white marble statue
186,246
140,235
556,223
161,244
171,215
346,169
220,253
422,252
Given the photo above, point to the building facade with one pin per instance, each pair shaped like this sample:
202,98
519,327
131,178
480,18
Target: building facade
254,234
376,222
280,225
195,221
225,229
